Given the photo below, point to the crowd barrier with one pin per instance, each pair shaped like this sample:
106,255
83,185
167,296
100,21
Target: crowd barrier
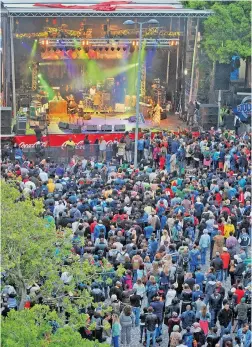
63,155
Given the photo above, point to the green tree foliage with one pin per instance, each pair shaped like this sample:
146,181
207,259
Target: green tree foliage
29,328
26,241
32,251
227,31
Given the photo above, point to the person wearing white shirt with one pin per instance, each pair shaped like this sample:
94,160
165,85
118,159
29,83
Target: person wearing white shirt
43,176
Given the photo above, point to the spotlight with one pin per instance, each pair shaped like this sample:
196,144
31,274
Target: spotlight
42,50
112,49
95,48
79,49
100,49
83,43
86,49
55,49
118,48
124,48
106,49
39,75
133,43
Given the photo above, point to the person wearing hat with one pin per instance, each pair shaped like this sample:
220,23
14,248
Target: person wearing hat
242,313
225,256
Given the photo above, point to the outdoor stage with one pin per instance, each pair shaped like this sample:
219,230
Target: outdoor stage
58,53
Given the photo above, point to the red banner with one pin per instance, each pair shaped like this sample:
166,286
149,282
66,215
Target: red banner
28,141
108,6
56,140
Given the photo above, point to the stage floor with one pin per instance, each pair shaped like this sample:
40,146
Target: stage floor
171,123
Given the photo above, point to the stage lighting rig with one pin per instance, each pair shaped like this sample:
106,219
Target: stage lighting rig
118,48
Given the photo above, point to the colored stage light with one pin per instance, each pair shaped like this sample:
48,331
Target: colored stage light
118,48
132,49
112,49
100,49
83,43
39,75
86,49
106,49
124,48
46,42
133,43
86,43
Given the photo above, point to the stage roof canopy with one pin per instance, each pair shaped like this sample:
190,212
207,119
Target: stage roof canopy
96,8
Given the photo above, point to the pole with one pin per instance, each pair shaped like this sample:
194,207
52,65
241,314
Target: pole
194,59
14,105
168,59
138,94
219,108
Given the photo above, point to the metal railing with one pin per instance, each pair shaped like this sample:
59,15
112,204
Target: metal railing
63,155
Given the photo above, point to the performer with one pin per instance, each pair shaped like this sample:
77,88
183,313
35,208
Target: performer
92,92
157,114
58,97
97,101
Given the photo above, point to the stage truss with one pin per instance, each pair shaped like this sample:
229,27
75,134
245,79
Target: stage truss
38,12
104,42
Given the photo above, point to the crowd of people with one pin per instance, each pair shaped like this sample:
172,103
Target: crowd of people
180,225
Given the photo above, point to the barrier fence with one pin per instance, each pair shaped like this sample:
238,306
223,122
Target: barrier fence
64,154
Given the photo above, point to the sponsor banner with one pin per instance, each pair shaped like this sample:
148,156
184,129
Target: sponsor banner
56,140
29,141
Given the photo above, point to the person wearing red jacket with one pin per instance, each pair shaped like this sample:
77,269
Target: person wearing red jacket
225,256
240,292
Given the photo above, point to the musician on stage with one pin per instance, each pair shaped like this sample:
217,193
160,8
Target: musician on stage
92,92
58,97
157,114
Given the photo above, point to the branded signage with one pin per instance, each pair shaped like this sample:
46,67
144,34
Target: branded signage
243,111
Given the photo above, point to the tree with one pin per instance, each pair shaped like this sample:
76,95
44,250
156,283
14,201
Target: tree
227,31
29,328
26,241
33,252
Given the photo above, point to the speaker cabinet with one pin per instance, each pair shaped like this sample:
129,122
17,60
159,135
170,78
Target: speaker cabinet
91,127
106,127
120,127
5,120
63,125
76,129
209,116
